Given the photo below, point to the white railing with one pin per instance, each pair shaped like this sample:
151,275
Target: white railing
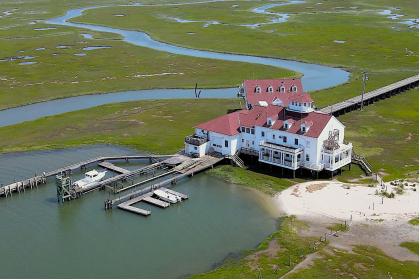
280,147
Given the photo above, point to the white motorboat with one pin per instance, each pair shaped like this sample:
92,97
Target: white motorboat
165,196
89,178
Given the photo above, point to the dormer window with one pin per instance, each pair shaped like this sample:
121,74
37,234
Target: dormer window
303,129
282,89
270,89
286,126
269,122
294,88
258,90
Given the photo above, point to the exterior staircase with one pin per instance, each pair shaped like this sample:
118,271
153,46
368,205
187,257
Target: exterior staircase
236,159
362,162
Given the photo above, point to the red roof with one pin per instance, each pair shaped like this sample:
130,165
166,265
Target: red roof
253,98
257,116
226,124
308,123
301,98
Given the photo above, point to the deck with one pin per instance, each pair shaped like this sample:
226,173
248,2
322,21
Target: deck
136,196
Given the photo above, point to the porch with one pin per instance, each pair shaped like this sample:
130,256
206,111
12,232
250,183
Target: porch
335,159
280,155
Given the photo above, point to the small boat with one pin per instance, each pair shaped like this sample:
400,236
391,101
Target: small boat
167,196
89,178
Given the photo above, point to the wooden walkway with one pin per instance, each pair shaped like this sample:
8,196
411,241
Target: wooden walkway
206,162
112,167
19,186
372,96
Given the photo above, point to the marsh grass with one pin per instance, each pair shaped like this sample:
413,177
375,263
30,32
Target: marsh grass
265,183
271,258
412,246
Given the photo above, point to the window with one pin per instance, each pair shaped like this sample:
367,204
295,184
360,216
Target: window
248,130
242,140
299,104
284,139
303,129
307,157
282,89
252,131
294,88
258,89
226,143
269,122
253,142
296,142
243,129
292,103
263,134
286,126
270,89
196,148
273,136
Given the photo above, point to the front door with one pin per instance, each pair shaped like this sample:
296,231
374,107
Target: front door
247,143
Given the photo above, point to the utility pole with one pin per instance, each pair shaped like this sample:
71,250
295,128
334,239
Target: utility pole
364,78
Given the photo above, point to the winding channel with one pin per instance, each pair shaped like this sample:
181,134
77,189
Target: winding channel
315,77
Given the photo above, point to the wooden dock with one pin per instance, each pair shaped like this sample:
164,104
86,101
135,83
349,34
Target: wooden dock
19,186
112,167
372,96
143,182
156,202
136,196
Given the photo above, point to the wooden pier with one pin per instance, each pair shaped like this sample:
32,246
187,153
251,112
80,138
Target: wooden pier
19,186
139,195
372,96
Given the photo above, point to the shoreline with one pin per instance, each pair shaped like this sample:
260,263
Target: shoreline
324,203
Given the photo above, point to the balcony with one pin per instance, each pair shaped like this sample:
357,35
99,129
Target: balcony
280,147
195,140
277,161
249,151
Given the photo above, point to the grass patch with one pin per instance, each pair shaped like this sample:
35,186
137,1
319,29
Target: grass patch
265,183
415,221
155,126
412,246
338,227
365,262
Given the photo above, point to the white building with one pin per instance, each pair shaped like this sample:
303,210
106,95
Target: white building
284,132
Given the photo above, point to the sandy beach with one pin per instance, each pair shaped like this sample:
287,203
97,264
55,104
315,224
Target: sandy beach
376,220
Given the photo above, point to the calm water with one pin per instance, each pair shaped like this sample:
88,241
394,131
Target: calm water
43,239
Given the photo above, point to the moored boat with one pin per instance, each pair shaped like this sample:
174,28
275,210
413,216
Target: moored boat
165,196
89,178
